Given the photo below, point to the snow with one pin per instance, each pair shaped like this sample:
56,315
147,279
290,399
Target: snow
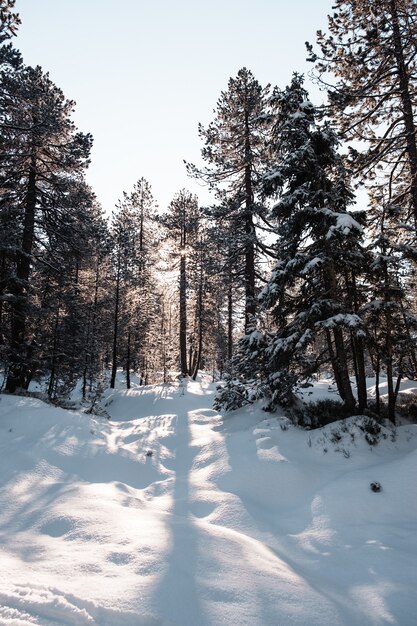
169,514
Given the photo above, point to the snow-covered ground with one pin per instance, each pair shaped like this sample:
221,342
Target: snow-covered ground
170,515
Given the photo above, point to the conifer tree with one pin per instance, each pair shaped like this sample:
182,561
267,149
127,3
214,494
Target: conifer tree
43,178
235,153
181,222
370,50
318,242
9,20
135,234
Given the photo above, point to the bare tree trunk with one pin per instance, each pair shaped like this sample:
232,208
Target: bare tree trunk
339,358
200,325
128,361
250,302
18,366
407,106
115,326
377,392
183,317
229,324
53,361
358,353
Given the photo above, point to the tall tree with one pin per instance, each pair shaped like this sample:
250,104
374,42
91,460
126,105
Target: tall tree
135,234
235,153
42,182
370,50
181,222
319,241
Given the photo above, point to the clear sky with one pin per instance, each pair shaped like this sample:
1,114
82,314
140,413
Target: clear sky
144,73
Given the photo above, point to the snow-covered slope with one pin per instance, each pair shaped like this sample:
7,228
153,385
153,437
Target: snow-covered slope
170,515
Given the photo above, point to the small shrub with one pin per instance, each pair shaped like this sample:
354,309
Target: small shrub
316,414
233,395
372,411
407,407
335,436
372,430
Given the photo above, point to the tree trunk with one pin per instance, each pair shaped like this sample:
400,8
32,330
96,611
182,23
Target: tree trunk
87,354
407,106
200,326
250,303
339,357
53,361
128,361
115,326
18,366
93,355
377,392
183,317
229,324
343,369
358,353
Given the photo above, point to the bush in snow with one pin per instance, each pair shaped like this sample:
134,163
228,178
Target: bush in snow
316,414
234,394
247,383
407,407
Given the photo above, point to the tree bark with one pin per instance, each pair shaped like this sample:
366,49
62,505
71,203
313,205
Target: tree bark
407,105
200,326
18,366
250,303
128,361
115,326
229,323
183,317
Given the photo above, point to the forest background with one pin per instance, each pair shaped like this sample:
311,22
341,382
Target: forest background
279,277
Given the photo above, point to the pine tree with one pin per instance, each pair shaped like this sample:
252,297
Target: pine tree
9,21
319,241
371,51
181,222
388,312
42,178
137,299
124,236
235,151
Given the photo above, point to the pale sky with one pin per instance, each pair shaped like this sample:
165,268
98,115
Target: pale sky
144,73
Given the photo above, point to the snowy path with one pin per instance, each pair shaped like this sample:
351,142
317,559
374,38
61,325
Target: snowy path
168,516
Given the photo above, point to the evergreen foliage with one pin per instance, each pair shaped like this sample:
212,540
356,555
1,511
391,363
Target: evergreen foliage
282,278
370,50
235,152
319,242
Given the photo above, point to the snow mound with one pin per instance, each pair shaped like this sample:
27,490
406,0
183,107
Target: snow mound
28,605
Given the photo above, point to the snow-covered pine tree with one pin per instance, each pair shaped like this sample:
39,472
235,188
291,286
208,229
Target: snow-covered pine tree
319,241
370,50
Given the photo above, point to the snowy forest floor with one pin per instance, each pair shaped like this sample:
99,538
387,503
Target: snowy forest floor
169,514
